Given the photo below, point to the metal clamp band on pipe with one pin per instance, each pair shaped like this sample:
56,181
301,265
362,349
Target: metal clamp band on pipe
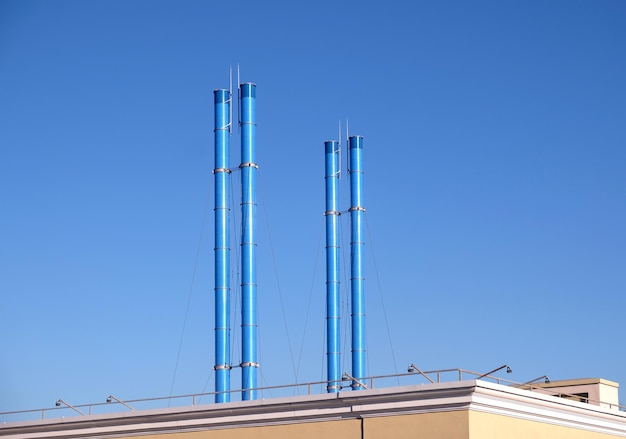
333,387
249,164
222,367
357,208
332,212
249,364
216,170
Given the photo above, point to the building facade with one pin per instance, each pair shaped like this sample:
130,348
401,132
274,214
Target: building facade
452,410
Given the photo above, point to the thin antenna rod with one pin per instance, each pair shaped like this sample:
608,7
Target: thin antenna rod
238,99
339,132
348,147
339,153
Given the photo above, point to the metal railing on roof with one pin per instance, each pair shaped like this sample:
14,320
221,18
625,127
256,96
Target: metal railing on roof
112,404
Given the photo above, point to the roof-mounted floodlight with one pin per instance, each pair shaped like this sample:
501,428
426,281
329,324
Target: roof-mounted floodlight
508,370
60,401
112,398
413,368
542,377
346,377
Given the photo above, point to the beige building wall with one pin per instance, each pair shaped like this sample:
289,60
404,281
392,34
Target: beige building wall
445,425
449,425
461,424
348,429
490,426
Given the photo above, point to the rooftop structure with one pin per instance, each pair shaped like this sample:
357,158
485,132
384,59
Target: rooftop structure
457,409
475,405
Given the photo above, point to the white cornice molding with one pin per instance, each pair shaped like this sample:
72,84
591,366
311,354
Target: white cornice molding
533,406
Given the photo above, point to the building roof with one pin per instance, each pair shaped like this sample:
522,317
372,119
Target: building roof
477,396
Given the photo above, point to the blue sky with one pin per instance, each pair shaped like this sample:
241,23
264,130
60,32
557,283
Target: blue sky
494,160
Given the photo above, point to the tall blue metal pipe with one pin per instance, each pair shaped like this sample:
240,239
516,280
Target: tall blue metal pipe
333,304
222,102
249,167
357,244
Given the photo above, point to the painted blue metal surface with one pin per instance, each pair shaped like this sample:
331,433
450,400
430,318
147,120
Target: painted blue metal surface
357,243
222,102
249,325
333,304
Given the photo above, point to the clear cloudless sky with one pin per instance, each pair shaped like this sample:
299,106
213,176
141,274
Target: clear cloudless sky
495,188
